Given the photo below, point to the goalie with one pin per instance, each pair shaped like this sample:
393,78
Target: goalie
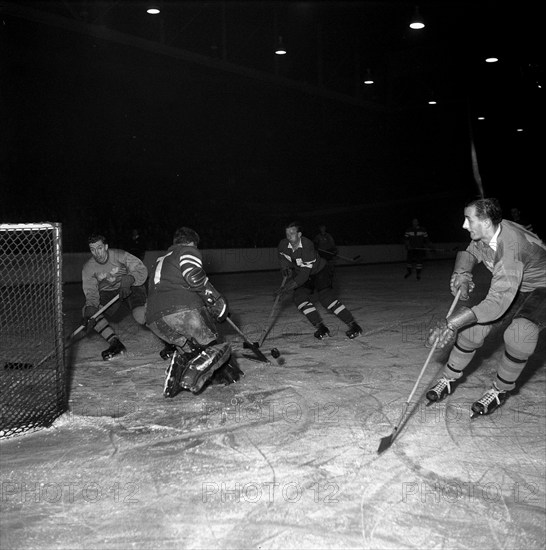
183,308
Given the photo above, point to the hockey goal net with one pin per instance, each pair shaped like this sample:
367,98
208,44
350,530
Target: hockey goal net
32,373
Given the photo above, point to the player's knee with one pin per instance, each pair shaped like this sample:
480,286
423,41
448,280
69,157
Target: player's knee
520,338
139,315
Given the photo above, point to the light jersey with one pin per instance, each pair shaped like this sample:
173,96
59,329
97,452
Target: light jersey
305,259
518,264
168,290
97,277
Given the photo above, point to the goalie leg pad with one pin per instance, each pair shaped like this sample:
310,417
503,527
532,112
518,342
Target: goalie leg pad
203,365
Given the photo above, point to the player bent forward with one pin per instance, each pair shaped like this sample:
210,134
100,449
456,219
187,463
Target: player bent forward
107,273
306,272
517,260
182,308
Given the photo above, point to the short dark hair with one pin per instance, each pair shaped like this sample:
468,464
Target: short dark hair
185,235
295,224
487,208
95,237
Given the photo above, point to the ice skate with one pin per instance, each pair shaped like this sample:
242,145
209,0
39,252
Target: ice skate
492,399
173,374
354,330
322,331
116,348
440,390
167,352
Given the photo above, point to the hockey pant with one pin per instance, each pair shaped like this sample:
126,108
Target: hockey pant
528,314
321,283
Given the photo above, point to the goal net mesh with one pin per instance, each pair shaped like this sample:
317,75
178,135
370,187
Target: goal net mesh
32,371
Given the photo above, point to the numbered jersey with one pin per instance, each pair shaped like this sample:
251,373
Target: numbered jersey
168,288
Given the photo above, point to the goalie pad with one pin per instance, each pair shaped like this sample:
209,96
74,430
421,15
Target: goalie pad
203,365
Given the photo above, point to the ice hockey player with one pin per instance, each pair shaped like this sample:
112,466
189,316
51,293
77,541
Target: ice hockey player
182,309
305,272
417,242
109,272
517,295
326,247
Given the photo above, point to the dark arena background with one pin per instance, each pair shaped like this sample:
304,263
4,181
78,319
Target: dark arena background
115,120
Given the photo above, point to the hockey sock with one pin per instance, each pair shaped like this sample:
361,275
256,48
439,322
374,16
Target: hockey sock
338,309
310,311
451,373
104,329
509,369
458,360
520,340
503,384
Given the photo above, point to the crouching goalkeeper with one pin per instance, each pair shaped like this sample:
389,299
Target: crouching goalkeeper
183,308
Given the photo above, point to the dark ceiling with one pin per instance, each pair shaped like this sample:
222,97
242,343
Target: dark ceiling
331,45
101,95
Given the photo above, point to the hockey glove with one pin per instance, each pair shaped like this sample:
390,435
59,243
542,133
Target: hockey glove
464,282
87,321
126,284
219,309
286,288
446,331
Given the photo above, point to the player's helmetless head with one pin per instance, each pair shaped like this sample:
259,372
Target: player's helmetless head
481,218
293,233
99,251
187,236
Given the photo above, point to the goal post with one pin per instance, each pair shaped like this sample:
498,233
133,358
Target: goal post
32,368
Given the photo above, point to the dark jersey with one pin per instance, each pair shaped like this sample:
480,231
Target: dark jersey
416,237
305,260
168,290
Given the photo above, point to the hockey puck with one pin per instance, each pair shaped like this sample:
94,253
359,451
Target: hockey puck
275,353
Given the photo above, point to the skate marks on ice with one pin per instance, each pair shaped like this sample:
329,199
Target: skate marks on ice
285,458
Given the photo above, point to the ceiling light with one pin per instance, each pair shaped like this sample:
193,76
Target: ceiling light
368,79
153,9
491,59
280,49
417,21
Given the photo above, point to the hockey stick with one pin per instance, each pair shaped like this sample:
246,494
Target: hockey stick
455,249
386,442
271,320
339,256
94,316
79,329
250,345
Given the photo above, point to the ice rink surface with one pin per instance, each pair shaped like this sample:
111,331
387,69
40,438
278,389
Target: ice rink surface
287,457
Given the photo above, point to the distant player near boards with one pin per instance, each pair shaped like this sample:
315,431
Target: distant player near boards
517,260
182,309
306,272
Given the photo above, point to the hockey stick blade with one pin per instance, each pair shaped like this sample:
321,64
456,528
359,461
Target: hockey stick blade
249,344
